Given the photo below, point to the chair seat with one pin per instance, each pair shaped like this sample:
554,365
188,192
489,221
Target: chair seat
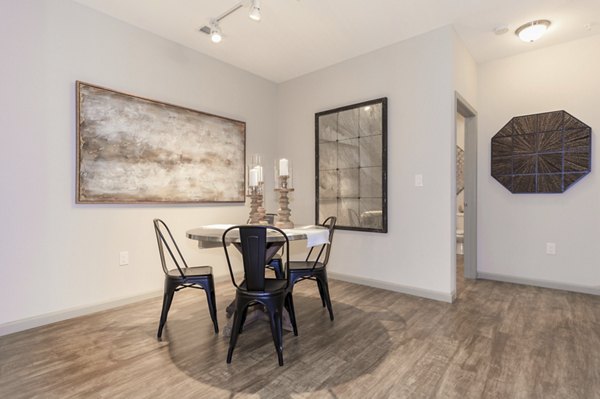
272,285
195,271
297,265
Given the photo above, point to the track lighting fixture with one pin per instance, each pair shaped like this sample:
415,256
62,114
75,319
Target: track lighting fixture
214,30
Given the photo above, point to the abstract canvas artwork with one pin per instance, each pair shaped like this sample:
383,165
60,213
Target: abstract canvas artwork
351,164
541,153
134,150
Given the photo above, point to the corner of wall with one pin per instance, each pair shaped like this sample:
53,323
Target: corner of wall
464,70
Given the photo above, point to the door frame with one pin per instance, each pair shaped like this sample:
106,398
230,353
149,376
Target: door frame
463,108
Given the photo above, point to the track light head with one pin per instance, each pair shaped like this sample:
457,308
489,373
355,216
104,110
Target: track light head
254,13
215,31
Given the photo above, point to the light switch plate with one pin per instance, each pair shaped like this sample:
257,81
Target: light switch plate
419,180
123,258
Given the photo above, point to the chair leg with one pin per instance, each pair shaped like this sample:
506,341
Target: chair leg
235,330
212,305
323,280
276,264
289,305
276,330
279,273
167,300
279,324
321,294
244,314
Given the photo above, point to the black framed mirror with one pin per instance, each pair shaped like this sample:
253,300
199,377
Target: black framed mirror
351,166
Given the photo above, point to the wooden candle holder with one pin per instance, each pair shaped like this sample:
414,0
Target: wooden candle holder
283,213
257,211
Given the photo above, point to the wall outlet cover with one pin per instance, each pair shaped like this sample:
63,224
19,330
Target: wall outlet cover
123,258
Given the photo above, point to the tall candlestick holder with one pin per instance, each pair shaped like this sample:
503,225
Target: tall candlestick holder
283,213
260,209
255,190
255,201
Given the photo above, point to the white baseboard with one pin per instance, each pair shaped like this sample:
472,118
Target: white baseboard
53,317
404,289
539,283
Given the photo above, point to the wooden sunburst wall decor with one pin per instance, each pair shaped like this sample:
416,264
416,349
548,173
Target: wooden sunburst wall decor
541,153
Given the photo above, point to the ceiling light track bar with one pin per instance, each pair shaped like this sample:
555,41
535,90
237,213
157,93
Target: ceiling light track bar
230,11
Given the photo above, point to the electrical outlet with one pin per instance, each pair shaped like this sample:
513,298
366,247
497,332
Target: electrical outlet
418,180
551,248
123,258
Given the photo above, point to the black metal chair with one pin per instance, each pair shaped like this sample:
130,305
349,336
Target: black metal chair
273,294
176,279
276,267
312,269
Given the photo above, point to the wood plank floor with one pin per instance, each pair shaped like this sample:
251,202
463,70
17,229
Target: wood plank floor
497,340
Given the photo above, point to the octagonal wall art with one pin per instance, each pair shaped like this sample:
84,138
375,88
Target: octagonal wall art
541,153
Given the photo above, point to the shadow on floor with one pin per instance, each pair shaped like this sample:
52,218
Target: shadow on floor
326,353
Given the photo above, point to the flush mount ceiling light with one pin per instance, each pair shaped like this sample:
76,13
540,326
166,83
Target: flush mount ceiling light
531,31
214,30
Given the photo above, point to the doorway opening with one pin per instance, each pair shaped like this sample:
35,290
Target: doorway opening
466,192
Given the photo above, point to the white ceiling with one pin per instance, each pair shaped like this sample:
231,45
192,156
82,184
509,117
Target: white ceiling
296,37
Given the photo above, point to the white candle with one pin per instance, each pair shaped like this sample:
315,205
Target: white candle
259,172
253,178
283,167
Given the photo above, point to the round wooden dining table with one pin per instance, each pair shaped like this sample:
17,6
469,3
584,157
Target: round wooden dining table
211,236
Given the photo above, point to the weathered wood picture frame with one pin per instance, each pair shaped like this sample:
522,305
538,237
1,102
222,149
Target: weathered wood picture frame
135,150
351,166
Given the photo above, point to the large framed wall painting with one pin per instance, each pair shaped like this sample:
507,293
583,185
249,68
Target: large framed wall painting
351,165
135,150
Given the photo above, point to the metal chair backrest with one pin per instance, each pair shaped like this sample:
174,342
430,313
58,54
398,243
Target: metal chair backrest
167,241
253,244
330,224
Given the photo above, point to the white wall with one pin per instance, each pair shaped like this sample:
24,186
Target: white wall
56,255
418,78
464,71
514,229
